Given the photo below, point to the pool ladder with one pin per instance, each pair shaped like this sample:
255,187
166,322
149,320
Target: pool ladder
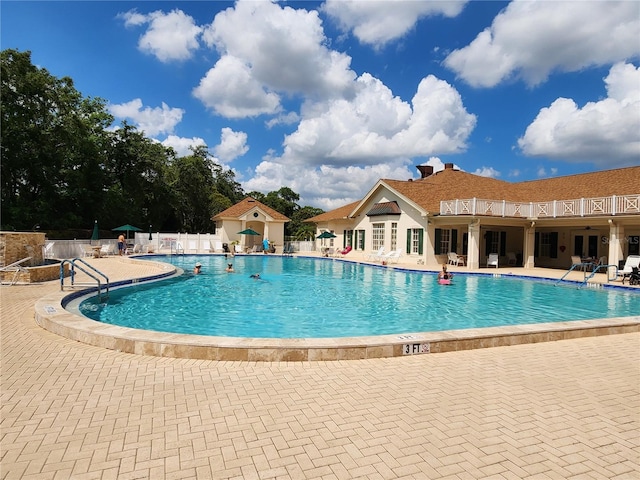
87,269
592,273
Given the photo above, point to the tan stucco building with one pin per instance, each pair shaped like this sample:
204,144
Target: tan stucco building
254,215
535,223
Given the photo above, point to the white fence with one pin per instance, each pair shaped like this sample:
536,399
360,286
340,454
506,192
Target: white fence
614,205
159,243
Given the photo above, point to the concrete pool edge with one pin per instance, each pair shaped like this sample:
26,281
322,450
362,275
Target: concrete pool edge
51,315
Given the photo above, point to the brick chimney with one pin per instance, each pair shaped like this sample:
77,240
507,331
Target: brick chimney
448,166
425,170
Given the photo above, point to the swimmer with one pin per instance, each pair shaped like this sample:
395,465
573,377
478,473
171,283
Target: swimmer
255,276
196,269
444,275
229,268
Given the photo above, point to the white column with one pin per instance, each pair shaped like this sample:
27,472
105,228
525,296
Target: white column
429,249
473,247
616,243
528,260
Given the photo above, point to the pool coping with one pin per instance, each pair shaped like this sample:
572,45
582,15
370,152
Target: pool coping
50,314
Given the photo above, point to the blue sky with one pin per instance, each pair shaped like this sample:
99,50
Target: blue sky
328,97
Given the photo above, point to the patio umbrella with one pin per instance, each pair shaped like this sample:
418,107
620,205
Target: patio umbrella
126,228
326,235
150,237
248,231
96,233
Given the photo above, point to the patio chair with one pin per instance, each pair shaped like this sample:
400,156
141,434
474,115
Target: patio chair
87,250
392,257
511,258
633,261
493,260
577,260
47,250
375,255
342,253
454,259
107,249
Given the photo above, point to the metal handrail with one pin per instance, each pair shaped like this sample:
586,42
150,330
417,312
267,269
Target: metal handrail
593,272
73,264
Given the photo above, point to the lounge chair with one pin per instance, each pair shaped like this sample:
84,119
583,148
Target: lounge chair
342,253
375,255
493,259
454,259
392,257
106,250
87,250
633,261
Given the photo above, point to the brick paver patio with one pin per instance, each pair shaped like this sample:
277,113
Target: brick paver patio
557,410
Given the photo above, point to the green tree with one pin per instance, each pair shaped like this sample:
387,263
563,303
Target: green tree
51,142
300,230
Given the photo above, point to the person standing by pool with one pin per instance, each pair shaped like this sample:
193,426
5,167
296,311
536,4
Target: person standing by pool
265,245
121,244
197,269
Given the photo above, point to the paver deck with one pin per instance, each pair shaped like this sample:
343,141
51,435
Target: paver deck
555,410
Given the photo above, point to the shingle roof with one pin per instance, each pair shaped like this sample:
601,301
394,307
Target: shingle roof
338,213
450,184
249,203
384,208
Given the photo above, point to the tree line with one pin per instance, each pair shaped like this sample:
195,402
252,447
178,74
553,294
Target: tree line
64,166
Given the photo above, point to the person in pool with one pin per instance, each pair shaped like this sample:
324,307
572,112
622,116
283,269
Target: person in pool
229,268
197,269
444,275
255,276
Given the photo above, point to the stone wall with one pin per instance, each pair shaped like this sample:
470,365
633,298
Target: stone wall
15,246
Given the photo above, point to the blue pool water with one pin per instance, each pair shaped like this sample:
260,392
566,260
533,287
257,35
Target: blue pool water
314,298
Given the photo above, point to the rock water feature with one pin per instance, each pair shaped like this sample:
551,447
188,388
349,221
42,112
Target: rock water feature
16,246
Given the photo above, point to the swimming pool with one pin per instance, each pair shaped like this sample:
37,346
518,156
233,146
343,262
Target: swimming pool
319,298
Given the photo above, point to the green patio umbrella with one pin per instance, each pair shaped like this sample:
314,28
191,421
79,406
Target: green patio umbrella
150,237
126,228
248,231
96,233
326,235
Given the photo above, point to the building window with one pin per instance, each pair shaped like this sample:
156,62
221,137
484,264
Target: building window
394,236
545,244
416,241
360,237
634,245
378,236
445,241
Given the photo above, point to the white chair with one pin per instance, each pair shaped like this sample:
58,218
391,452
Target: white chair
392,257
375,255
87,250
179,248
511,258
47,250
631,262
576,260
106,250
454,259
492,261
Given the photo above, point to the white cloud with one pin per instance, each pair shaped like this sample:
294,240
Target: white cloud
232,145
284,119
530,39
487,172
182,145
268,50
170,36
231,90
378,22
324,187
152,121
376,126
606,132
